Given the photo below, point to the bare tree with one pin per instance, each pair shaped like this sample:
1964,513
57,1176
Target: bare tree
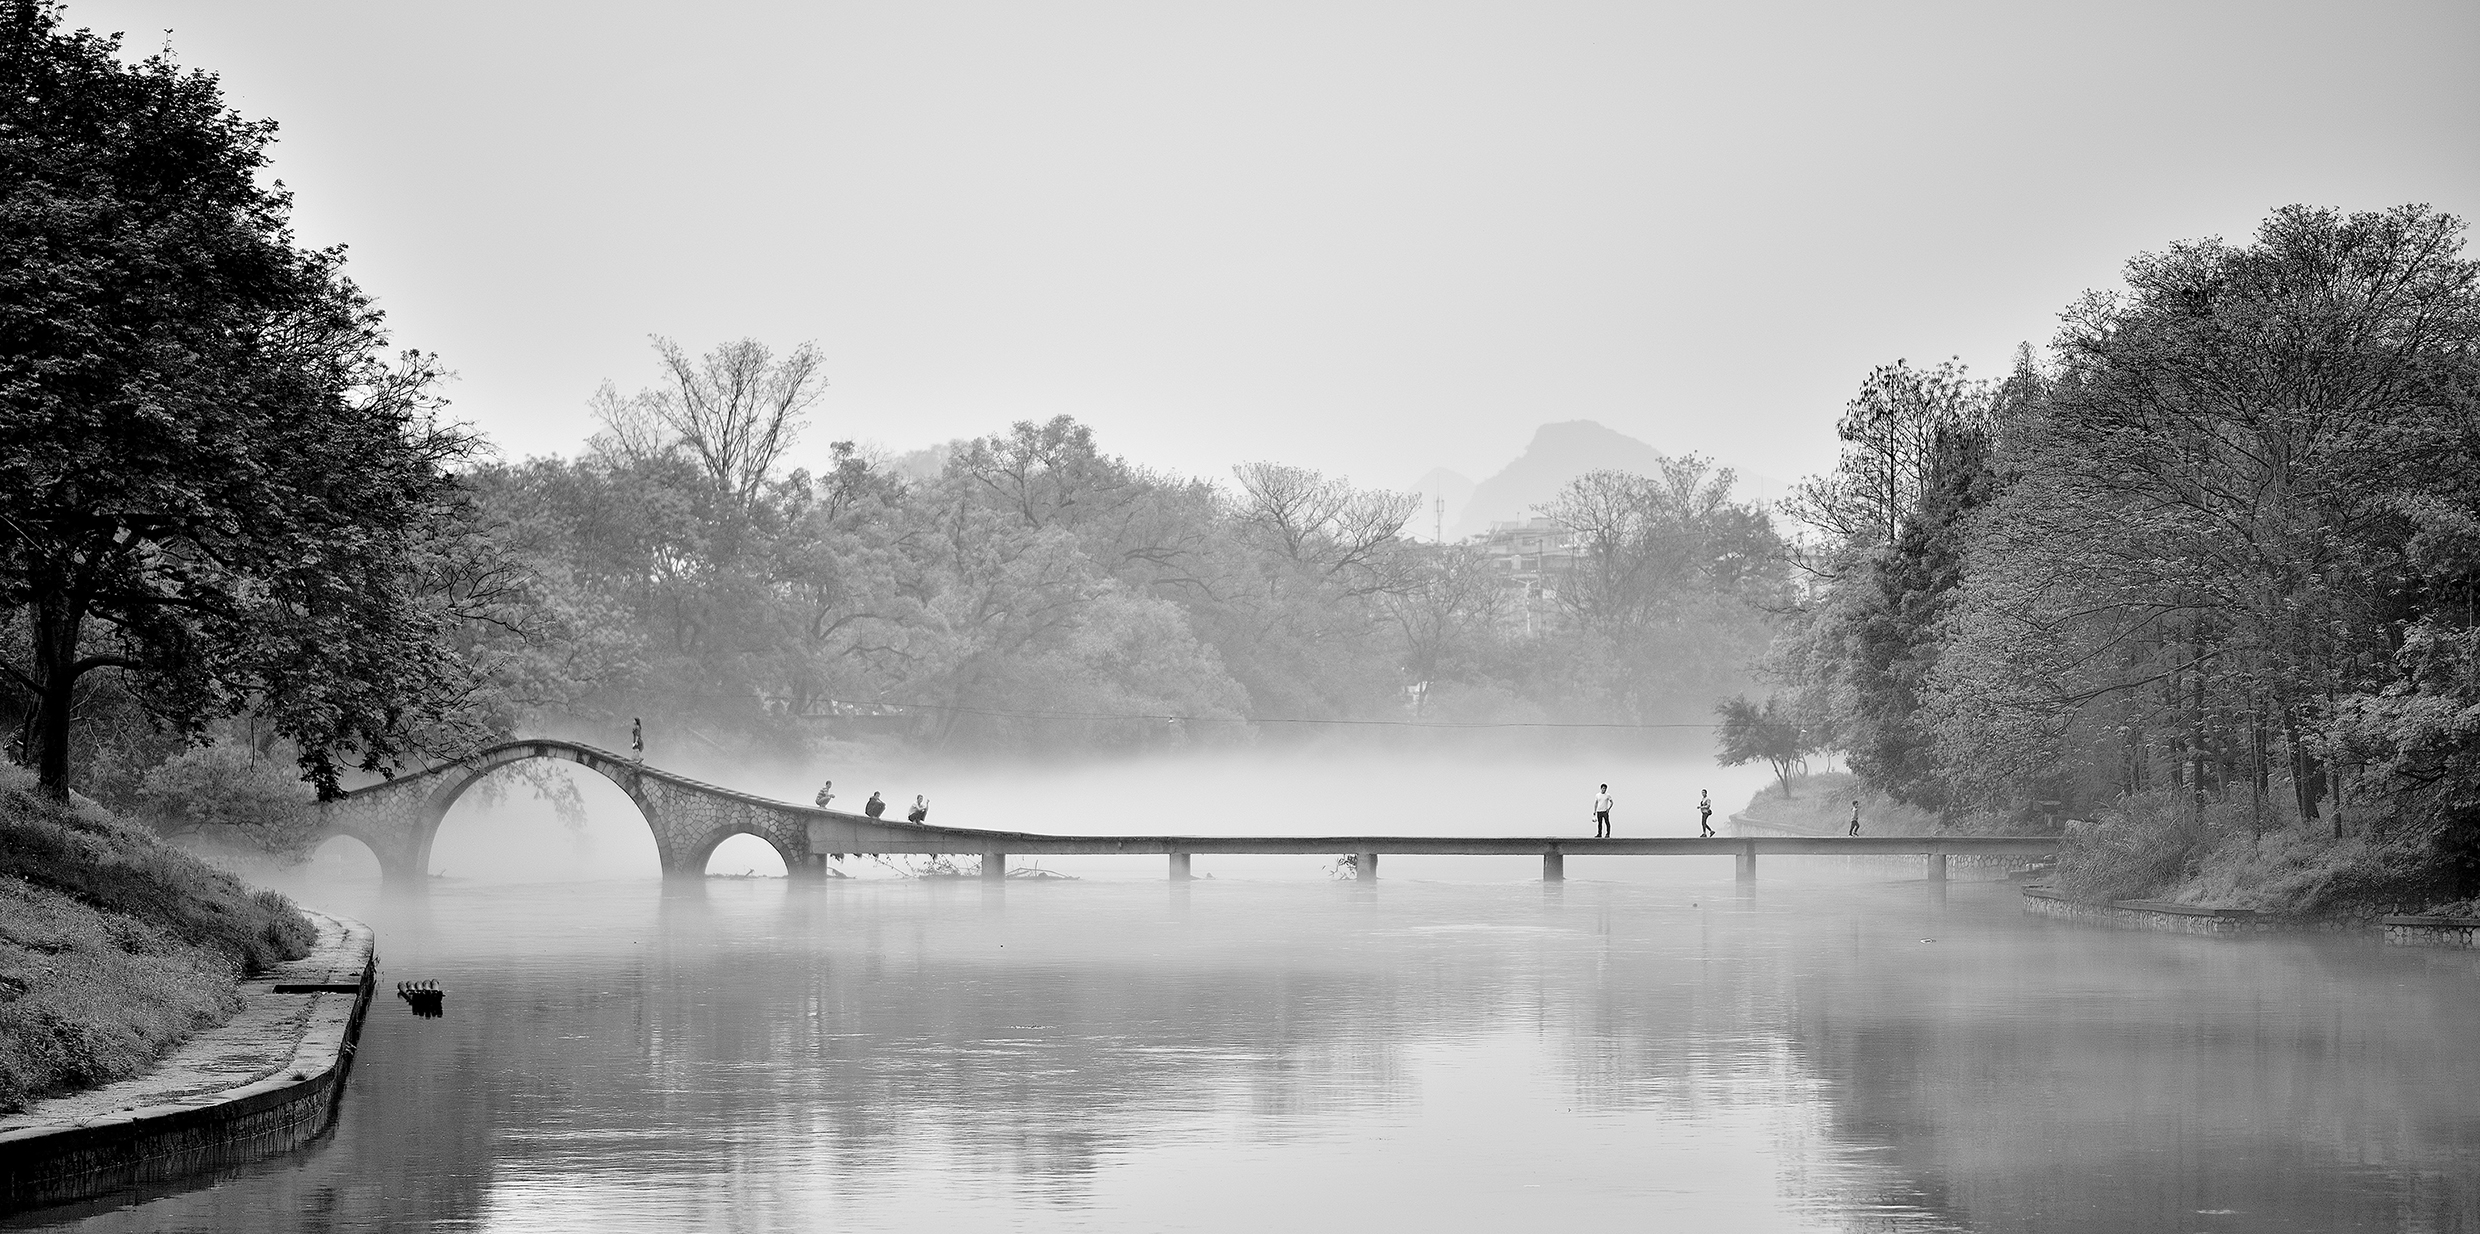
737,408
631,430
1328,526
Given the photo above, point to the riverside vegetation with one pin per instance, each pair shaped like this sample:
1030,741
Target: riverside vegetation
113,944
2205,579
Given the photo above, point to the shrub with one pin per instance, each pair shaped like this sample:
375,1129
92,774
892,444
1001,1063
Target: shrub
2144,845
226,792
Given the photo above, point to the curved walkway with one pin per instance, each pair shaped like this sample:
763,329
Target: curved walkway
263,1081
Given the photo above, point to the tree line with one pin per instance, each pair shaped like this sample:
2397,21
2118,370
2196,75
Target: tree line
2213,562
1027,590
239,534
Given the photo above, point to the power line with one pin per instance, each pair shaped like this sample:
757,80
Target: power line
1180,719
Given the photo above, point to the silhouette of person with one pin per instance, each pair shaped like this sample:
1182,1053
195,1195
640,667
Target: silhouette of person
1601,814
826,793
1855,818
1704,814
877,805
637,738
920,810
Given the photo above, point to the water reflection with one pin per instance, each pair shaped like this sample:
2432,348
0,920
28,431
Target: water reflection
1237,1056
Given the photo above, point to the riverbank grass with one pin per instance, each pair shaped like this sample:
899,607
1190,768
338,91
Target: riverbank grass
114,945
2156,846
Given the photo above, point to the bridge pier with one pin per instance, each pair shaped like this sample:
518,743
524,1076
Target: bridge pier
1937,867
1366,866
1180,868
1553,867
1747,864
994,867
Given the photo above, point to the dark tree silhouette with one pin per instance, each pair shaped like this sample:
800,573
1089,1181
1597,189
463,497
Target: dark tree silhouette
1771,732
212,476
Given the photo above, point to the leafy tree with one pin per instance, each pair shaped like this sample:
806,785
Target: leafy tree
1669,594
212,477
1771,732
1894,624
2209,542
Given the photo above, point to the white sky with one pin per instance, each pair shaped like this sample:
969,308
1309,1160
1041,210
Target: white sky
1370,238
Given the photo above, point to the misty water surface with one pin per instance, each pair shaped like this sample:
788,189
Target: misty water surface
1287,1052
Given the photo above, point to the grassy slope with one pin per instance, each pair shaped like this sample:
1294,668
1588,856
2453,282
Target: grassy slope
1821,803
113,945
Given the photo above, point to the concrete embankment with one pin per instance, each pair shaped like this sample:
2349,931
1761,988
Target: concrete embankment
2166,917
265,1081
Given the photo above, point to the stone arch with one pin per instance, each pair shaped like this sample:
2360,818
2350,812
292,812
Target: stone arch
456,780
320,839
702,850
400,818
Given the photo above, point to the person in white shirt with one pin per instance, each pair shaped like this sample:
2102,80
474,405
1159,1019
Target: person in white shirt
1601,814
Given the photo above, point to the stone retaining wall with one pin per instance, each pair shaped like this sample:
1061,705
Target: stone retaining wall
2166,917
2159,915
2405,930
263,1082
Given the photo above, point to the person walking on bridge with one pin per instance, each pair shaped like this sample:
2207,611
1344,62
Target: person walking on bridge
1855,818
1601,814
1704,814
637,738
876,806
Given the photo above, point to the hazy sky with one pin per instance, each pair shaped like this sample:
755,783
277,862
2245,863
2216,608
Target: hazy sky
1370,238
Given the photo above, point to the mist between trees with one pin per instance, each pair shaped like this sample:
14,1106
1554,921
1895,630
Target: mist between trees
1029,591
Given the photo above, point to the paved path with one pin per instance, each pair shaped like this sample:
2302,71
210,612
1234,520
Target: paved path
270,1031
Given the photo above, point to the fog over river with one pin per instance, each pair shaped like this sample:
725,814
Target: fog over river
1456,1047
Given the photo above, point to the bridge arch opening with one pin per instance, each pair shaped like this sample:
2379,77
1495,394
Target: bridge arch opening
743,855
341,858
544,820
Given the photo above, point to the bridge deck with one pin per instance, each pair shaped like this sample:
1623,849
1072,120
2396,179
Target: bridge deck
904,838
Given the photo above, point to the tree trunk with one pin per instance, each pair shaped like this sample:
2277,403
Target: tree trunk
59,618
2195,737
2257,773
2307,779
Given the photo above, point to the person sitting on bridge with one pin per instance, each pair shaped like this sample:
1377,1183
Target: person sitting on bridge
826,793
876,806
1855,818
920,810
1601,814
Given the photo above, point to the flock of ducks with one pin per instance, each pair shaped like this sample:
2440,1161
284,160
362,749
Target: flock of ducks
424,996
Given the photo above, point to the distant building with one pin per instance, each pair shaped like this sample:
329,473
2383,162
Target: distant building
1536,553
1531,558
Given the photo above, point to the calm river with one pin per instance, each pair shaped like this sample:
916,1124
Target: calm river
1253,1055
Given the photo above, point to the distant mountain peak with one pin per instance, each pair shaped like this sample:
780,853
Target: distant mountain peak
1558,453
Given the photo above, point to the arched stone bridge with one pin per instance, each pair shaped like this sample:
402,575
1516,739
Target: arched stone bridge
399,818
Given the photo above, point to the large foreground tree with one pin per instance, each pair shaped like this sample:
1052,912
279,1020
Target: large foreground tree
212,475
